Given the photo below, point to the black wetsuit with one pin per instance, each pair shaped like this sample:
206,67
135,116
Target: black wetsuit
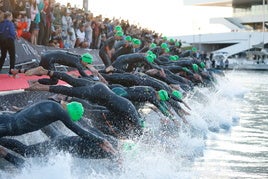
50,58
38,116
157,51
15,160
163,60
140,79
188,63
103,52
187,53
129,62
100,94
172,78
174,50
142,94
123,50
75,145
119,43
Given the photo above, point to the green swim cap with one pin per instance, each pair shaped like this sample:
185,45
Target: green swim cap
128,38
202,65
164,45
153,45
177,57
195,67
119,91
75,110
87,58
136,41
171,40
150,58
142,123
172,58
127,146
194,49
177,93
177,43
185,69
119,33
153,55
167,50
164,38
149,52
118,28
163,95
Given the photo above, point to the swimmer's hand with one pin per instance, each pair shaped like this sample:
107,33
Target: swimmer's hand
162,73
3,152
109,69
107,146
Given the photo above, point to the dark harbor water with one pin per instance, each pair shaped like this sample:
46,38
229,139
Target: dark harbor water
243,151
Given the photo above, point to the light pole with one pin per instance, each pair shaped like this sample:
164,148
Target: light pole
249,38
263,21
85,5
199,34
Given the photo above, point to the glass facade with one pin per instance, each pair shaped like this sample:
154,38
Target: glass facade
251,11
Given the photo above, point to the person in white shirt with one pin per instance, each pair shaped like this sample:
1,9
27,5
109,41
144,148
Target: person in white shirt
81,37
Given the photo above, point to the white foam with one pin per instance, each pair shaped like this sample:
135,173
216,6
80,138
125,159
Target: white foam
168,154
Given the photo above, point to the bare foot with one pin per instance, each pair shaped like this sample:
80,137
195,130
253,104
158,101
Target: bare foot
13,76
3,152
32,82
16,108
36,87
109,69
57,97
14,71
39,71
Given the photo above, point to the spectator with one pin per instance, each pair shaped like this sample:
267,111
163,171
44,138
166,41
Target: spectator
6,6
66,20
9,32
88,33
20,24
35,20
45,23
57,15
96,33
81,37
28,14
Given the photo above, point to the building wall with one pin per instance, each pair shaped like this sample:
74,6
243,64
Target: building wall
234,3
246,3
208,2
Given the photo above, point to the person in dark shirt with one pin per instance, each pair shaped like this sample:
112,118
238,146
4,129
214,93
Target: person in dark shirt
7,42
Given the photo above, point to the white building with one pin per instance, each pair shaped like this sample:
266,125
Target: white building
248,28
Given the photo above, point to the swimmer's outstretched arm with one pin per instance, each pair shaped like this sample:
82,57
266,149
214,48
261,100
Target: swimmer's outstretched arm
95,72
59,75
16,161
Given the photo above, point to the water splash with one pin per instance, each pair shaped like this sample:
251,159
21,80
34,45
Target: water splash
159,153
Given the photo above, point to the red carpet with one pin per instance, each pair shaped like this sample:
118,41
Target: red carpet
8,83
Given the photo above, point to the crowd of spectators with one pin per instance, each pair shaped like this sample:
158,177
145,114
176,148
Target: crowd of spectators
45,22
